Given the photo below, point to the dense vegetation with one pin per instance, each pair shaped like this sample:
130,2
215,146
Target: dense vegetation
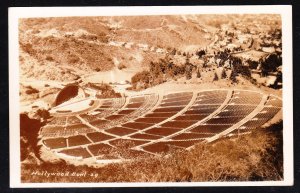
159,72
104,90
29,129
271,63
166,69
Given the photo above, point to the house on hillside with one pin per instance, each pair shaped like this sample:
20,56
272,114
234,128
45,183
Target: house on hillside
143,47
160,50
117,44
128,45
253,55
232,46
268,49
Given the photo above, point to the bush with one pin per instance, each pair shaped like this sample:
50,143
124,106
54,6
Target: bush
31,90
29,131
244,70
223,74
233,76
28,48
271,63
200,53
173,52
43,114
73,59
49,58
188,68
252,64
188,74
238,68
198,74
215,77
121,66
158,73
106,91
141,78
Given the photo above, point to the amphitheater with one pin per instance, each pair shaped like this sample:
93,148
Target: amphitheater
117,129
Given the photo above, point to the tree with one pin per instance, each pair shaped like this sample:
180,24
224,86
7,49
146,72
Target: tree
173,52
188,68
278,80
215,77
223,74
200,53
155,69
188,71
198,73
271,63
252,64
170,70
233,75
205,61
43,114
141,77
121,66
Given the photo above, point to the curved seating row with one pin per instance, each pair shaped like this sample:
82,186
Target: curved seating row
146,124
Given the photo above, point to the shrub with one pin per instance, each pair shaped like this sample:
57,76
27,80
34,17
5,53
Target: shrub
159,72
188,72
215,77
188,68
121,66
73,59
49,58
233,76
31,90
252,64
141,78
223,74
244,70
106,90
200,53
28,48
270,63
238,67
29,131
173,52
198,73
43,114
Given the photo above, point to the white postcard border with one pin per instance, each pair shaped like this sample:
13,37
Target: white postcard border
14,134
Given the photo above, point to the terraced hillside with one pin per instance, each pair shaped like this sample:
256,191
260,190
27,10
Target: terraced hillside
124,128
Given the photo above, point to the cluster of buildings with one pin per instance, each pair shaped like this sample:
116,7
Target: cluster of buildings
253,42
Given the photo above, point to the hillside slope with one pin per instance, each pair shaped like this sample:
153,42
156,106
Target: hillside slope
62,48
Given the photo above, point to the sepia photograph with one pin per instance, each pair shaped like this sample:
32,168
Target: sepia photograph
186,96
